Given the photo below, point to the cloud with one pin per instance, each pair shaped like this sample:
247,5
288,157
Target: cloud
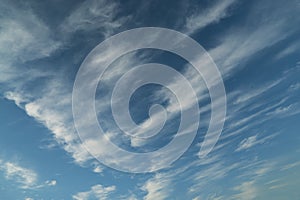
276,184
209,175
247,191
208,180
94,15
26,178
247,143
252,141
162,184
50,183
49,102
276,187
157,188
52,106
208,16
241,118
197,198
16,97
54,114
24,35
249,186
286,111
242,42
294,87
291,165
97,169
292,48
238,45
249,95
96,191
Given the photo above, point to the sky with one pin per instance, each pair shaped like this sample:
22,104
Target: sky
255,46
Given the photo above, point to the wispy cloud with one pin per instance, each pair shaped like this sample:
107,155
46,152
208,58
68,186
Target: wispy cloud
51,183
157,187
288,50
51,106
247,191
252,141
291,165
276,184
213,172
23,35
96,192
25,177
242,42
249,186
208,16
93,15
26,38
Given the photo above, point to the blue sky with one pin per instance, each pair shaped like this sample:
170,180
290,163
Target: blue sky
255,45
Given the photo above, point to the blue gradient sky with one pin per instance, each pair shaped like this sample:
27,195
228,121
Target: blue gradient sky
255,45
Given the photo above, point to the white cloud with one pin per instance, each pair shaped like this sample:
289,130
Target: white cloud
52,107
57,119
98,169
96,191
276,184
240,43
247,191
248,95
276,187
252,141
290,165
212,172
157,188
254,171
132,197
209,16
197,198
50,183
162,184
26,178
288,50
240,116
53,110
285,111
23,36
294,87
94,15
16,97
